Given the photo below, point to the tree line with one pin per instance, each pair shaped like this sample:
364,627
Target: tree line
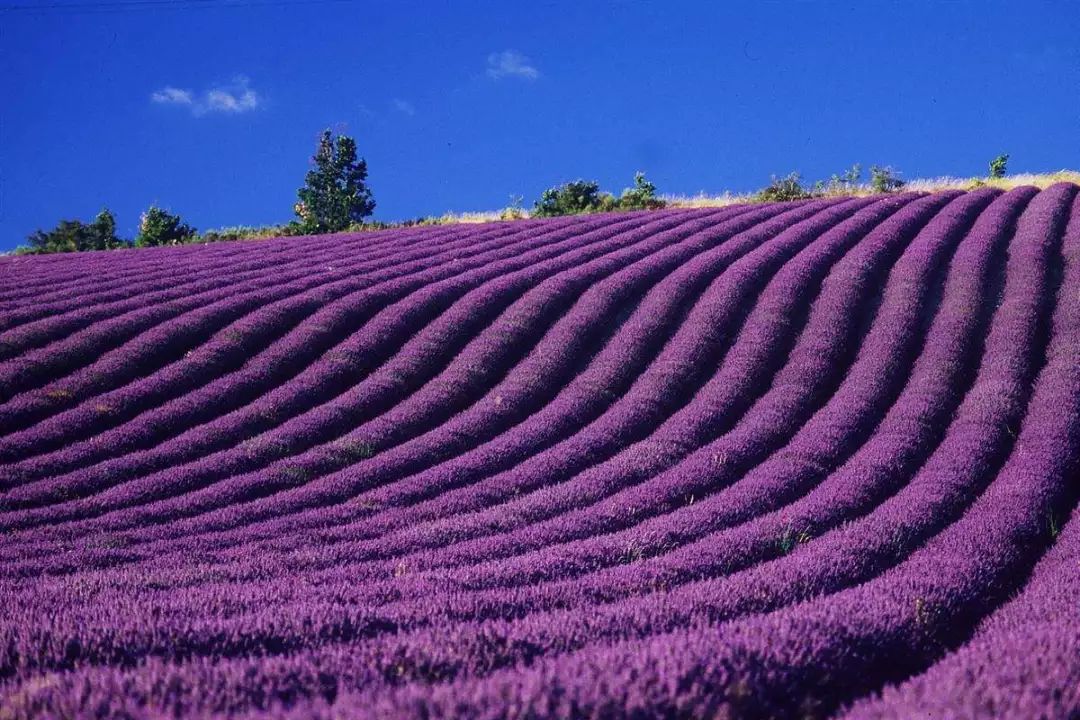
336,197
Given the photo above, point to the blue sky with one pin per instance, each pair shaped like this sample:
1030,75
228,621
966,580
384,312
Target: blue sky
212,107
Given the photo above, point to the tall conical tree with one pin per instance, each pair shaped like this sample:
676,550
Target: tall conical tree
335,192
103,232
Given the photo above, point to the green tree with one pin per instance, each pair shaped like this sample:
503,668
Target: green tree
998,166
573,198
335,193
640,197
160,227
65,237
76,236
103,232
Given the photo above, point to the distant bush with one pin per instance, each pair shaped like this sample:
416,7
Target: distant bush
75,236
585,196
884,179
845,183
572,198
998,166
784,189
160,227
242,232
849,182
640,197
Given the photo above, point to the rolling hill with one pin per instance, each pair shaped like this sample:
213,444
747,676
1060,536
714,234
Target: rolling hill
805,459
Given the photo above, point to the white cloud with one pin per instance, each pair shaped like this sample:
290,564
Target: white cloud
231,98
403,106
510,63
172,96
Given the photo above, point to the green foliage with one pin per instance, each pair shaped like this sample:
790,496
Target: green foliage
884,179
585,196
790,187
640,197
851,176
160,227
1052,524
572,198
243,232
998,166
784,189
845,183
791,538
608,203
75,235
103,232
335,193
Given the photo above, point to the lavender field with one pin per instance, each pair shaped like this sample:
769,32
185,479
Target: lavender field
796,460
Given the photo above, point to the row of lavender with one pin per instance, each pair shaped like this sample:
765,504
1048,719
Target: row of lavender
762,461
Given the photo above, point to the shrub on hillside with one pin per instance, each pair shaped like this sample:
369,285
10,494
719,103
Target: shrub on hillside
573,198
243,232
75,235
784,189
640,197
160,227
884,179
998,166
845,183
585,196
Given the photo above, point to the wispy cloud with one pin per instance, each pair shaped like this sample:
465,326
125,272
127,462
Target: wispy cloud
172,96
403,106
510,63
232,98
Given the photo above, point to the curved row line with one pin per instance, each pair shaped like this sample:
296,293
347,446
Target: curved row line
34,437
119,338
56,315
25,276
110,285
481,304
277,343
714,314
